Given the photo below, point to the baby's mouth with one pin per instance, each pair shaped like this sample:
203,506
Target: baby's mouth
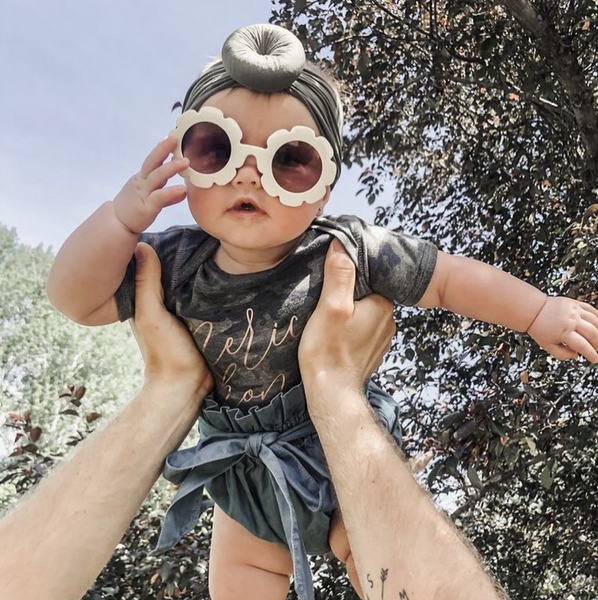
246,206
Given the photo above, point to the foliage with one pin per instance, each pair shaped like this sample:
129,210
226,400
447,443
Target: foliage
483,119
41,352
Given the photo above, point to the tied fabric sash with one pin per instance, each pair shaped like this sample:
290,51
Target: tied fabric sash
217,452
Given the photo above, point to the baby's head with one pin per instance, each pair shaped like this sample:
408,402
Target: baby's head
262,131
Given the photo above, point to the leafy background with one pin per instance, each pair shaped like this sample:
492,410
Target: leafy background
482,118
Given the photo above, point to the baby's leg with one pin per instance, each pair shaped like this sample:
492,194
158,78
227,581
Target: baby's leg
245,566
337,538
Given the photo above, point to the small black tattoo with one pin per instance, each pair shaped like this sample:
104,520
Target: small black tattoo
403,595
383,576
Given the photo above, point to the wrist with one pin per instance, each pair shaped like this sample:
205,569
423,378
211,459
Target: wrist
122,217
182,391
537,314
324,387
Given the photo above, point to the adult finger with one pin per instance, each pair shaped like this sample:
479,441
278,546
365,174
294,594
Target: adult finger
339,280
166,345
148,285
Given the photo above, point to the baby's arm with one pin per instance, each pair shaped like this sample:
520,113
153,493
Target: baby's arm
562,326
92,262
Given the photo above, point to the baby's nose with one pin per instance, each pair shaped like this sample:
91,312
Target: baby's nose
248,172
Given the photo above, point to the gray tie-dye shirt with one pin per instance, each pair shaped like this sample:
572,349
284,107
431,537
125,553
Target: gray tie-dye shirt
248,326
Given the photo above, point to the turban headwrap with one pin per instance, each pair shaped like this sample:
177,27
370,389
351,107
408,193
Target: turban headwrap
269,59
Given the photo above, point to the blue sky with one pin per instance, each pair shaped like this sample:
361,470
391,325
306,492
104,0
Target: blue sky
87,90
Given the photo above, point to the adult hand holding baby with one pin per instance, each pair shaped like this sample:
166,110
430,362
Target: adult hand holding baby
168,351
343,337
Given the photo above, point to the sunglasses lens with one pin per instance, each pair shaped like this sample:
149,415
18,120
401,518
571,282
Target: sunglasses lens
207,146
296,167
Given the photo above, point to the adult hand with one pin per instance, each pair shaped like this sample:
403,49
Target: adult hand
169,353
343,338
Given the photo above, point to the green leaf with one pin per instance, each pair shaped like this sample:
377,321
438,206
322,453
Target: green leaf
474,478
546,477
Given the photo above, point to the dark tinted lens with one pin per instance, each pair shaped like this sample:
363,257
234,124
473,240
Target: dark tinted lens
297,167
207,146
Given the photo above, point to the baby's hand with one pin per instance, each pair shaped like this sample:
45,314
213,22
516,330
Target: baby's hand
566,328
143,197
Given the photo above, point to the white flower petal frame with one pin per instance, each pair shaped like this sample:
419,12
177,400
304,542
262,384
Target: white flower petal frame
208,115
263,156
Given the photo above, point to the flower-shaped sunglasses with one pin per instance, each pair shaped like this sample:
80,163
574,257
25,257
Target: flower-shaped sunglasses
295,165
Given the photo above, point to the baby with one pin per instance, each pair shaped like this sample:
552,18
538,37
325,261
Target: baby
259,144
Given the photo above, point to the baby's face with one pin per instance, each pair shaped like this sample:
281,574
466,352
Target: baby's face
241,214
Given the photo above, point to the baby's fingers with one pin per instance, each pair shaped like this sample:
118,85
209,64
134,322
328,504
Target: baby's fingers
589,314
561,352
579,343
160,176
167,196
157,156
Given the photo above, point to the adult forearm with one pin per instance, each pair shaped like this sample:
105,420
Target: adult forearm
398,539
91,265
85,506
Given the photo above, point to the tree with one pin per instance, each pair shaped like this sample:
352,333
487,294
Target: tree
43,355
483,119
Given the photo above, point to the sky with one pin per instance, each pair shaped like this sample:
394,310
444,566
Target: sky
86,91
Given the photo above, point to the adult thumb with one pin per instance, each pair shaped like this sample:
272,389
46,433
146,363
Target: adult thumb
148,286
339,277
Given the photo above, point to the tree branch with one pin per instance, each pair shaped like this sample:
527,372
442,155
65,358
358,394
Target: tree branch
560,55
538,102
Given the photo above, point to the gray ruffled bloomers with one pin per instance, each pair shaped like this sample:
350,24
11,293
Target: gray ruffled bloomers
266,470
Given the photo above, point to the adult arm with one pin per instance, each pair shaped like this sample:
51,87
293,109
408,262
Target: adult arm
402,546
57,540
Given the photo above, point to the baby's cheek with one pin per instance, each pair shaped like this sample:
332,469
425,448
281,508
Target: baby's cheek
199,207
296,220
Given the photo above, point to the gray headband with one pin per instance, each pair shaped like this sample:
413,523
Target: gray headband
268,58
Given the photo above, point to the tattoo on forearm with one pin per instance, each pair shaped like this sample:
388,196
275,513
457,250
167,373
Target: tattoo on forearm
370,581
403,595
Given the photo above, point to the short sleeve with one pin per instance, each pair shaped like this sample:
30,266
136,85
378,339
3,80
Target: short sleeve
169,246
400,266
